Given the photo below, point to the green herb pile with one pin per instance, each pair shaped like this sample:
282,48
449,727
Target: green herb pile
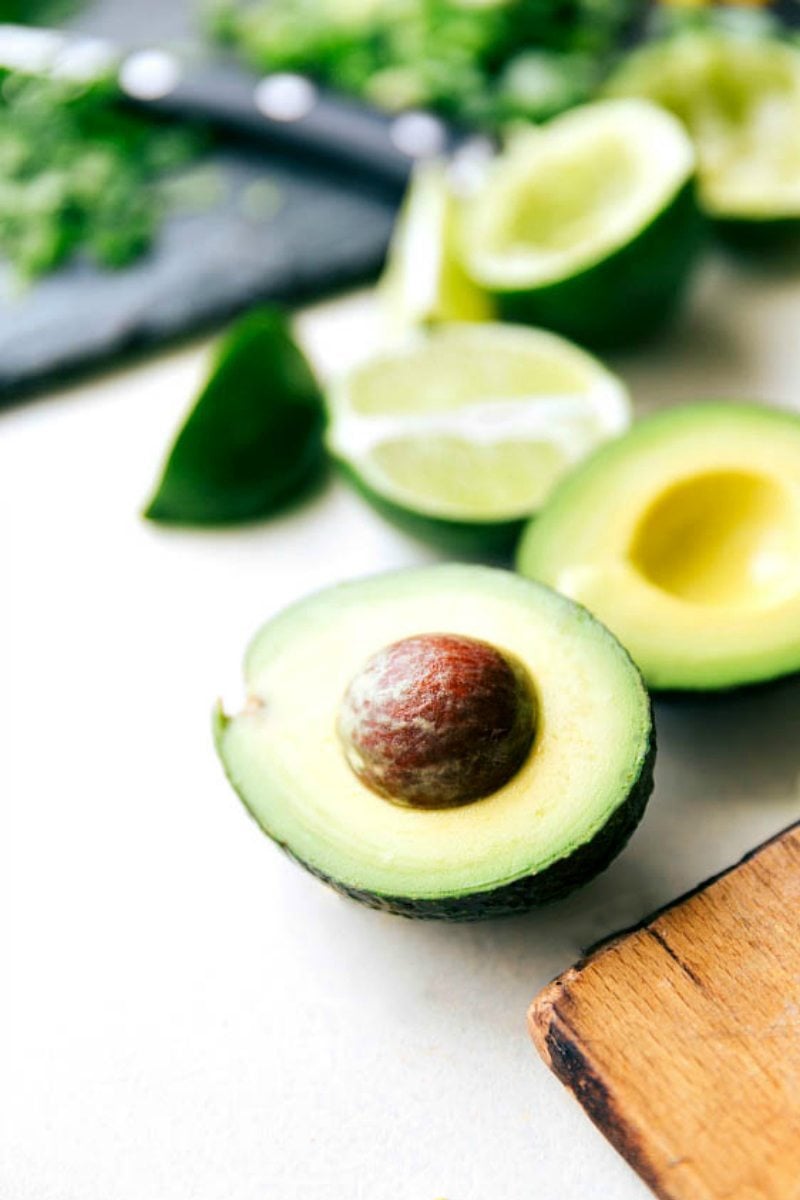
32,12
78,174
481,61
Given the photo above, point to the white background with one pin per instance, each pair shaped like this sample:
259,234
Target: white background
185,1015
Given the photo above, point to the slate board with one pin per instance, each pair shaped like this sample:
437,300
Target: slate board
327,231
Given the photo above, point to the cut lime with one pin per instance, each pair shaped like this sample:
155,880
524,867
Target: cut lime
740,100
424,281
463,432
588,225
252,443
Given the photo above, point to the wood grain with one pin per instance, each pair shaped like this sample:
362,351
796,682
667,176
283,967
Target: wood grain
681,1038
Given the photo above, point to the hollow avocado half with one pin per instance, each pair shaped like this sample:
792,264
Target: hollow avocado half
560,819
683,537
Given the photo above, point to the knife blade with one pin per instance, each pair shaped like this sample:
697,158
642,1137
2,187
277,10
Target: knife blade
284,110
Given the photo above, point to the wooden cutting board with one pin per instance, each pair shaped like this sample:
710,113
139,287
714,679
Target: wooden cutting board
681,1038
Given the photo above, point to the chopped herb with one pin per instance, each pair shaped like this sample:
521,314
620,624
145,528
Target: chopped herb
261,200
32,12
483,61
76,173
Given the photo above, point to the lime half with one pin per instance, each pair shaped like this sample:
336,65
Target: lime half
740,100
464,431
424,282
588,225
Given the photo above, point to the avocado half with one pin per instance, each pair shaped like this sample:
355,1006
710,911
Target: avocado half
564,815
683,537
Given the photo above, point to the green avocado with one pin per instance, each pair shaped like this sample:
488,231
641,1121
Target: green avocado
576,778
683,537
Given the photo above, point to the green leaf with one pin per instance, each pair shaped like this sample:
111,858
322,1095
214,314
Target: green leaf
253,441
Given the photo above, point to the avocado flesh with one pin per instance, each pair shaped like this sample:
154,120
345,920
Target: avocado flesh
684,538
559,820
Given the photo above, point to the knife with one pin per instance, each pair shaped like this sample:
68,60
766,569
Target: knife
283,110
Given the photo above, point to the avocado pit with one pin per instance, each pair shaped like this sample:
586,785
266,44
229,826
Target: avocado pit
438,720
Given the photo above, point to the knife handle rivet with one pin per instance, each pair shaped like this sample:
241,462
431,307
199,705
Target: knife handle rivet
469,165
418,134
149,74
285,97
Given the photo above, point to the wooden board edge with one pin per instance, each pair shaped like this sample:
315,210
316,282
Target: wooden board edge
570,1061
607,942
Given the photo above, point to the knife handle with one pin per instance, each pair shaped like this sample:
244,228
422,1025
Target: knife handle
288,111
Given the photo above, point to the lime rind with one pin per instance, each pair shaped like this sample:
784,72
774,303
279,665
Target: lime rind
739,98
492,458
626,297
569,195
253,441
424,281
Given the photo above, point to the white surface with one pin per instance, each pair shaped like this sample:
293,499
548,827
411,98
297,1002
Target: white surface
184,1014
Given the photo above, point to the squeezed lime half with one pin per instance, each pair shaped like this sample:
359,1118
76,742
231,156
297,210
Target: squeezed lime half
739,98
588,225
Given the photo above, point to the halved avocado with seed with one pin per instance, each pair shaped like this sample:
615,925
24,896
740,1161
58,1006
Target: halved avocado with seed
683,536
450,742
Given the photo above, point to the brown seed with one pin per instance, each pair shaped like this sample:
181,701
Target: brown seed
438,720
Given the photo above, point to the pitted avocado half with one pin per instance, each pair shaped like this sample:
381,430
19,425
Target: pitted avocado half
683,537
352,701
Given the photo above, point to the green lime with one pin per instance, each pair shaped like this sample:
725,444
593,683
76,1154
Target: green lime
424,282
462,433
588,225
739,98
253,440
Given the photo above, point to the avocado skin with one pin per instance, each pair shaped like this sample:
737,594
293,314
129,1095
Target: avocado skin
627,295
555,882
726,691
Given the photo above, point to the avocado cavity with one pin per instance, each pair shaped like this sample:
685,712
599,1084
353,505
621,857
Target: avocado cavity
683,537
722,538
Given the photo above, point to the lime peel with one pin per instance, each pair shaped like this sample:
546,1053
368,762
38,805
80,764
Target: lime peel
253,442
424,281
739,98
534,225
489,458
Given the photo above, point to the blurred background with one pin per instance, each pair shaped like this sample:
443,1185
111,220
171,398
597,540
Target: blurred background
135,209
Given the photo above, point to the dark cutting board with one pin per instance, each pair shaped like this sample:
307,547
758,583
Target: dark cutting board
326,231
